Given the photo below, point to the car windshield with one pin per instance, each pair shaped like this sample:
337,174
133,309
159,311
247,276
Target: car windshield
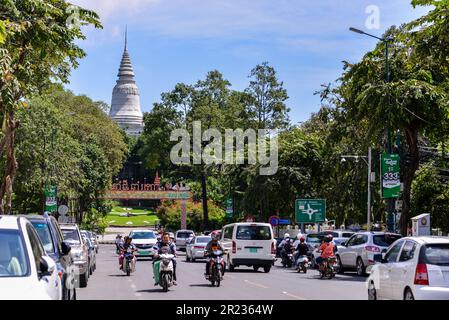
253,233
12,255
184,235
43,231
437,254
143,235
71,236
315,238
385,240
203,239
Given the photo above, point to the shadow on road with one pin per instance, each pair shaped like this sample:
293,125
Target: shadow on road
201,285
117,275
151,290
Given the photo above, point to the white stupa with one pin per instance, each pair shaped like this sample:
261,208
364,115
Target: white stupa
125,106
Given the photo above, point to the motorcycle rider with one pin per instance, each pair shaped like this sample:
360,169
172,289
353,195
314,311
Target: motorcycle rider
213,245
285,246
123,248
118,242
301,249
166,242
327,249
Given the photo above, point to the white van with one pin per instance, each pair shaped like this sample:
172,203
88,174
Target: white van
249,244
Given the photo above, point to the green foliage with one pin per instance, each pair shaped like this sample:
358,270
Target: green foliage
95,221
169,214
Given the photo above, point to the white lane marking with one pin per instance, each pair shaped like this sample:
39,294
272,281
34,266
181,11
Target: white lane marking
133,286
256,284
138,294
293,296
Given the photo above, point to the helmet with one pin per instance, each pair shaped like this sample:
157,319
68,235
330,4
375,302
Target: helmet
286,236
328,238
302,239
215,235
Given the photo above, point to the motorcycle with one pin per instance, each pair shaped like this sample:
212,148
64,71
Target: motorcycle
163,271
302,264
129,262
328,268
217,267
287,258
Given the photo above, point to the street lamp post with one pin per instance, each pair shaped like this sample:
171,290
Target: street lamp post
369,164
390,202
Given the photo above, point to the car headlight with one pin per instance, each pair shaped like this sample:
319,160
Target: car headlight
78,255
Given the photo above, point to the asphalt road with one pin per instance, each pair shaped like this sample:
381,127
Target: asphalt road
109,283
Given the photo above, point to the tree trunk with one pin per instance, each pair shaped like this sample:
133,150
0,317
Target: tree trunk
409,174
204,198
10,166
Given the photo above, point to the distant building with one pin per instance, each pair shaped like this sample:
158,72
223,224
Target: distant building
125,106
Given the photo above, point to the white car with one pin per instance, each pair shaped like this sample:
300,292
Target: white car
26,271
196,247
249,244
412,268
144,240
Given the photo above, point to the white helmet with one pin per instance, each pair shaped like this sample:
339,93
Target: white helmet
286,236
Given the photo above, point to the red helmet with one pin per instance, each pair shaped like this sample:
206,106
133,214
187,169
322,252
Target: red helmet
215,235
302,239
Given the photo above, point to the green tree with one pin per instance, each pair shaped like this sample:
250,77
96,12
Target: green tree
37,46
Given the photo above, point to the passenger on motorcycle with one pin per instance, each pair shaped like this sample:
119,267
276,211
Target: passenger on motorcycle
166,242
123,248
285,246
301,249
327,249
213,245
118,242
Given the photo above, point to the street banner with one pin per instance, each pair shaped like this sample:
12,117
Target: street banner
391,184
310,210
51,204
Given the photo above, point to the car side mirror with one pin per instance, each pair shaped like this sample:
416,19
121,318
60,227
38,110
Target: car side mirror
47,266
65,248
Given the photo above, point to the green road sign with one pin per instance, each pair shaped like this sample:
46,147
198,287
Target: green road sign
229,208
310,210
51,204
391,184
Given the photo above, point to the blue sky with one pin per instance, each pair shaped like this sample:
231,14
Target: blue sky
173,41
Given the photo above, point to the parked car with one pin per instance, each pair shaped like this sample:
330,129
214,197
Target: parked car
182,237
144,240
94,239
250,244
412,268
91,251
27,272
363,249
195,248
53,241
79,251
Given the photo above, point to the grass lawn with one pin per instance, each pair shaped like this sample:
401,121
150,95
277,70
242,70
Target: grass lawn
141,218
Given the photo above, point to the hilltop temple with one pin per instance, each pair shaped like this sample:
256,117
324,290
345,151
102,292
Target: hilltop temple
125,106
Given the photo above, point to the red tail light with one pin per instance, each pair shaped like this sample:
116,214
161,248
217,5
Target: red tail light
273,248
372,249
234,247
60,275
421,275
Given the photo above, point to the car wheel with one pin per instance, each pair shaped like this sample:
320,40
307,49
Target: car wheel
372,293
256,268
340,268
360,267
408,295
231,266
193,259
267,269
83,280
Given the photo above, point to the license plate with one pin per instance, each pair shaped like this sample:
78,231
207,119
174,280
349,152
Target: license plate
253,250
144,253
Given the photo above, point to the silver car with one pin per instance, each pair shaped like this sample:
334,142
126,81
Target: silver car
196,247
79,251
182,237
363,249
92,252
